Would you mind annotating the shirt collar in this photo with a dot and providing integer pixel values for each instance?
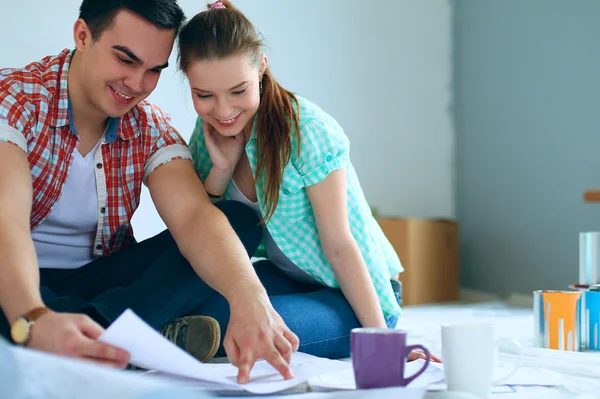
(110, 134)
(59, 115)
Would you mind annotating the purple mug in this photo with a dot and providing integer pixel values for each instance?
(379, 357)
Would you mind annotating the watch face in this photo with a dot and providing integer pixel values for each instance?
(20, 331)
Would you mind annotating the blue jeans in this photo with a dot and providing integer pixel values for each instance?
(320, 316)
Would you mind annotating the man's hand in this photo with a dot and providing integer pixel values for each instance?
(255, 332)
(75, 335)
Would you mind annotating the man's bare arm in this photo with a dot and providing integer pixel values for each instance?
(19, 273)
(210, 244)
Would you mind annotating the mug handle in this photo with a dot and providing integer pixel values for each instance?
(409, 349)
(517, 365)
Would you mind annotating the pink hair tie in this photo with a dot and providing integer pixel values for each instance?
(216, 5)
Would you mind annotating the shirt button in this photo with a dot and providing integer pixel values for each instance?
(102, 210)
(99, 165)
(329, 158)
(98, 247)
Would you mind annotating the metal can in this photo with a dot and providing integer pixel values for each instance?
(590, 320)
(589, 257)
(557, 319)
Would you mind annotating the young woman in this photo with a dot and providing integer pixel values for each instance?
(329, 266)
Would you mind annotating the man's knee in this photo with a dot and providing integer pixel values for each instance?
(238, 213)
(245, 222)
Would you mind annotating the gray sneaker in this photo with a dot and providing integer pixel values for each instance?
(199, 336)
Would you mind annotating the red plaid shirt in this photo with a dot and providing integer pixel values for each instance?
(35, 115)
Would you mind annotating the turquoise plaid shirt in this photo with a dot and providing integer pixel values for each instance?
(324, 148)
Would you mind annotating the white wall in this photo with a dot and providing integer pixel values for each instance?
(383, 69)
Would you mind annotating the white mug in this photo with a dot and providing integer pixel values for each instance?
(469, 352)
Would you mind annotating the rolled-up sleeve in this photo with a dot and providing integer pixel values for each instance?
(324, 148)
(170, 146)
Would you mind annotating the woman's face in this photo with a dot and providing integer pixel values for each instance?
(226, 91)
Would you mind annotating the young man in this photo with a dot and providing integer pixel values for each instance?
(77, 140)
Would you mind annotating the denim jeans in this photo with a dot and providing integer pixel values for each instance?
(320, 316)
(391, 321)
(158, 284)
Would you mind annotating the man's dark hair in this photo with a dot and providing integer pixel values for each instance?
(99, 14)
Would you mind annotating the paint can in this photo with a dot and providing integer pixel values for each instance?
(590, 320)
(589, 257)
(557, 319)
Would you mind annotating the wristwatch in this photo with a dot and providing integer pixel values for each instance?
(20, 331)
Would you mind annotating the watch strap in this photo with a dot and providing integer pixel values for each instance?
(35, 314)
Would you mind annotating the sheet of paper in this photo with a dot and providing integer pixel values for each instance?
(264, 379)
(42, 375)
(152, 351)
(530, 376)
(442, 387)
(385, 393)
(524, 376)
(345, 378)
(581, 364)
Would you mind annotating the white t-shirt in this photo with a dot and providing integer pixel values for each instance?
(65, 240)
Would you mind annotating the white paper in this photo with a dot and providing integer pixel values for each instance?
(384, 393)
(150, 350)
(530, 376)
(442, 387)
(264, 378)
(524, 376)
(42, 375)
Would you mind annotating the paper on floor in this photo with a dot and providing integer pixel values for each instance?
(525, 376)
(264, 379)
(150, 350)
(384, 393)
(40, 375)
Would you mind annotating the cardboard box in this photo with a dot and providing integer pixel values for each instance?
(428, 250)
